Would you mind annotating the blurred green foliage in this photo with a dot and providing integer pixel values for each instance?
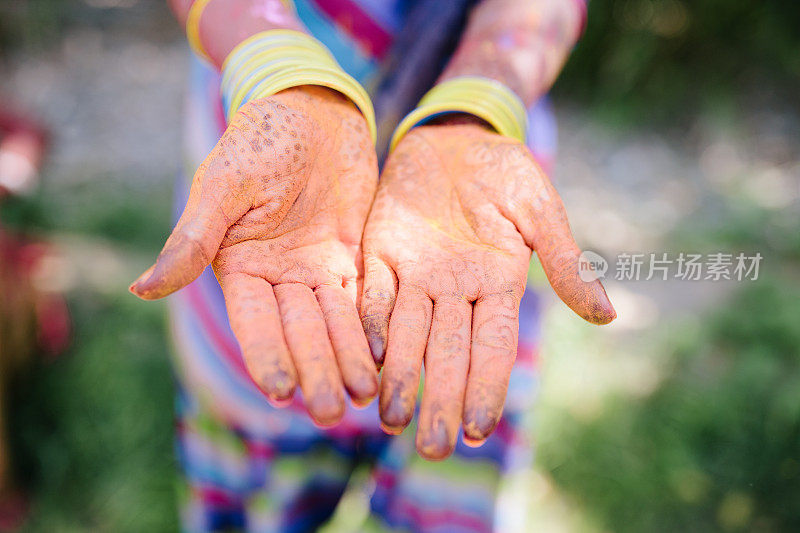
(32, 22)
(648, 59)
(715, 447)
(743, 227)
(92, 431)
(135, 217)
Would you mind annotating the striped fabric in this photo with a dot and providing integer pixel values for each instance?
(249, 466)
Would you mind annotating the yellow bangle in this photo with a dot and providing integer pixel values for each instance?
(255, 44)
(193, 28)
(266, 62)
(272, 61)
(485, 98)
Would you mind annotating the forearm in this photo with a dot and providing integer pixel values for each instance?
(226, 23)
(180, 8)
(522, 44)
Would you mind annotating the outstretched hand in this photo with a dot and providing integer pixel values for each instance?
(278, 208)
(447, 245)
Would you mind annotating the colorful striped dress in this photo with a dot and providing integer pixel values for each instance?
(249, 466)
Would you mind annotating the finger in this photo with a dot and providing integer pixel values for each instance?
(545, 228)
(193, 243)
(446, 367)
(408, 334)
(495, 331)
(377, 301)
(349, 344)
(307, 337)
(256, 322)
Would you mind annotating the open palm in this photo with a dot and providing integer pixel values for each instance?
(446, 251)
(278, 208)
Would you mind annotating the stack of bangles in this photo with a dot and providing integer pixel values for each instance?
(482, 97)
(274, 60)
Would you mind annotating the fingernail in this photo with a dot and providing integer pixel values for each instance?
(377, 348)
(361, 403)
(280, 387)
(326, 409)
(395, 415)
(135, 287)
(365, 390)
(603, 312)
(434, 444)
(391, 430)
(472, 443)
(478, 425)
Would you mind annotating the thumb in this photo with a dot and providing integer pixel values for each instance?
(544, 226)
(193, 243)
(560, 258)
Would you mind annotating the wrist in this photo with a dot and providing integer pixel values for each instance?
(273, 61)
(216, 27)
(486, 99)
(459, 119)
(310, 97)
